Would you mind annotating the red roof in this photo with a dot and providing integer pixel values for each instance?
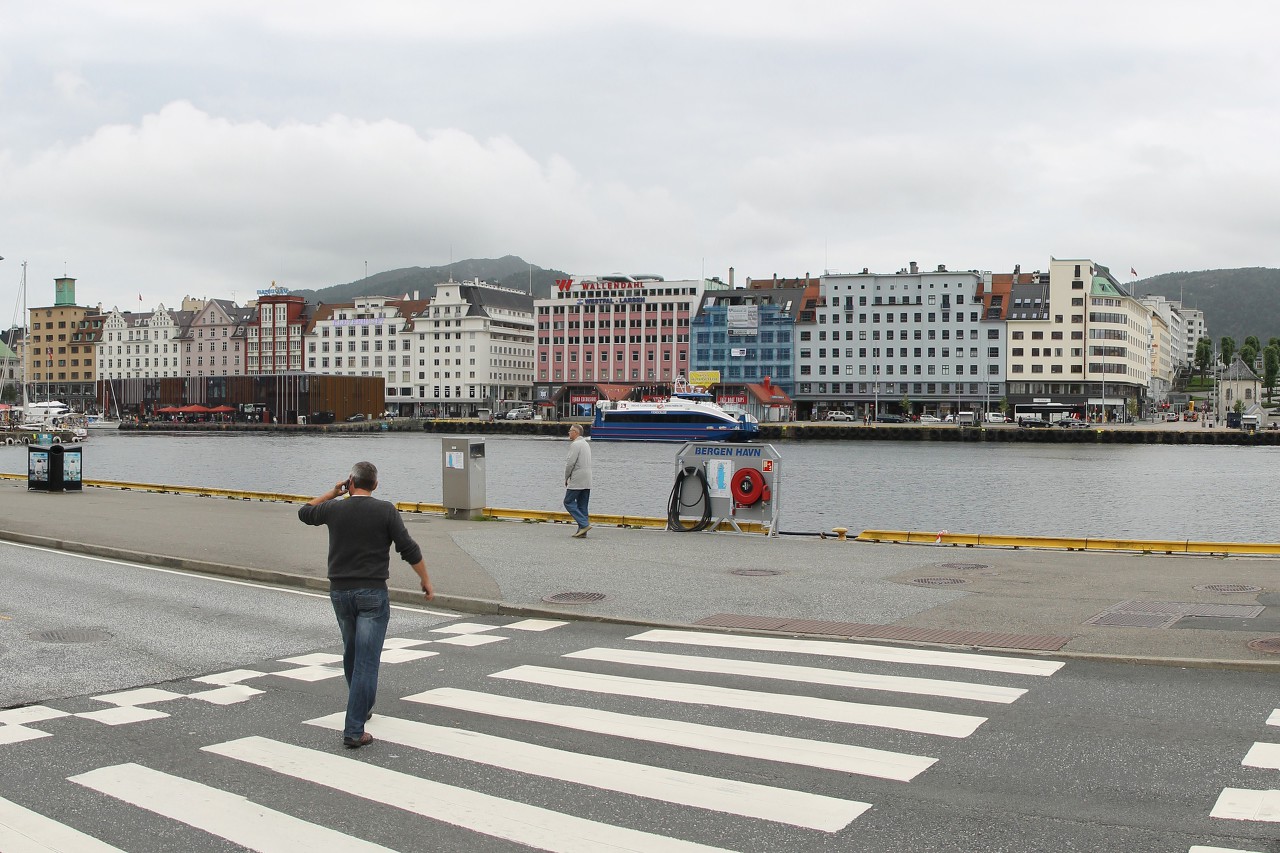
(770, 395)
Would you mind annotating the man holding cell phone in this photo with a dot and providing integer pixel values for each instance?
(362, 530)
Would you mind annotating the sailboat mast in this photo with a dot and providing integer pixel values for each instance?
(26, 338)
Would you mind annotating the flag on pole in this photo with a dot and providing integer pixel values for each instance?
(1133, 272)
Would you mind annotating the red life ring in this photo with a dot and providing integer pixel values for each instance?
(748, 486)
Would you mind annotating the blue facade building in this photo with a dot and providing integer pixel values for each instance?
(748, 335)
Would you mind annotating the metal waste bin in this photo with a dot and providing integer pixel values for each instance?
(54, 468)
(462, 476)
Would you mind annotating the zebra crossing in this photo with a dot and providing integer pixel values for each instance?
(1252, 804)
(560, 724)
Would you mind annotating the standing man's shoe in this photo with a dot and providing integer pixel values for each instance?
(580, 533)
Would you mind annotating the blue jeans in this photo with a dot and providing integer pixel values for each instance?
(362, 616)
(576, 500)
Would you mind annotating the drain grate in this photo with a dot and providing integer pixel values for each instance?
(1163, 614)
(72, 635)
(575, 597)
(1267, 645)
(755, 573)
(1121, 619)
(962, 567)
(938, 581)
(1228, 587)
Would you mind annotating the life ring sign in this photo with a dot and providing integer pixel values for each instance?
(749, 487)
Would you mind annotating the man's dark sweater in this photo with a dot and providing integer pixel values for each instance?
(361, 529)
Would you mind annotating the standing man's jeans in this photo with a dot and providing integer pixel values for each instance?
(362, 615)
(576, 500)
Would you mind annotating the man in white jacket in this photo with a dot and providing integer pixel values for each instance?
(577, 480)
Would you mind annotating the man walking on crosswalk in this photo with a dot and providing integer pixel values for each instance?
(362, 529)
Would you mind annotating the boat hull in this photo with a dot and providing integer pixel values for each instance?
(603, 430)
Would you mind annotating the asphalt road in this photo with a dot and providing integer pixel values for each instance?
(501, 733)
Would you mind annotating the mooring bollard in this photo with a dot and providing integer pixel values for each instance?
(840, 532)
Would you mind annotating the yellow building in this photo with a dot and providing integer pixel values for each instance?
(58, 357)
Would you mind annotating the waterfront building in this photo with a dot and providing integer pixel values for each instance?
(1236, 382)
(1171, 313)
(141, 344)
(369, 336)
(1195, 328)
(10, 365)
(60, 363)
(879, 342)
(1075, 336)
(214, 341)
(1161, 347)
(273, 340)
(609, 336)
(475, 348)
(748, 335)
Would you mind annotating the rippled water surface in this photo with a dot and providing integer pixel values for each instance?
(1153, 491)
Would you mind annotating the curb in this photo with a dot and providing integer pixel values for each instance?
(490, 607)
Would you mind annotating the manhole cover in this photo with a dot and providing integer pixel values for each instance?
(574, 597)
(962, 567)
(72, 635)
(1228, 587)
(938, 581)
(755, 573)
(1267, 645)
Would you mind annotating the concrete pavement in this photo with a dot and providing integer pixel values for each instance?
(1090, 604)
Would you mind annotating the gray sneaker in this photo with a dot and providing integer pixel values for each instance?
(581, 532)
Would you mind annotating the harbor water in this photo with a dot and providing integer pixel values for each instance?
(1221, 493)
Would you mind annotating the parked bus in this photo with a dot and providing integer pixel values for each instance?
(1048, 413)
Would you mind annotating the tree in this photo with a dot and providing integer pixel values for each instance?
(1270, 368)
(906, 405)
(1248, 355)
(1204, 355)
(1227, 349)
(1252, 341)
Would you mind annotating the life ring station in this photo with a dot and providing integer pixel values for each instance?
(725, 483)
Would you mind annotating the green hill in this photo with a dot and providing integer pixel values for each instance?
(1236, 303)
(509, 271)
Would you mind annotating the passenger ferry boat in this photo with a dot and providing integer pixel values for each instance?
(689, 414)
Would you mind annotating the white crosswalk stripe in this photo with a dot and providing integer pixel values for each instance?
(1247, 804)
(765, 802)
(1265, 755)
(886, 716)
(806, 674)
(219, 813)
(25, 831)
(529, 825)
(859, 651)
(839, 757)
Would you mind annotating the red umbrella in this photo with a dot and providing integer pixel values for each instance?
(221, 410)
(168, 410)
(194, 409)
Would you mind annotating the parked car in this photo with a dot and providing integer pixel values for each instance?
(1191, 416)
(1032, 421)
(997, 418)
(890, 419)
(840, 415)
(520, 413)
(356, 417)
(1172, 416)
(1073, 423)
(321, 418)
(930, 419)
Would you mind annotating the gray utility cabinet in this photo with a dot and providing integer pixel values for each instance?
(462, 477)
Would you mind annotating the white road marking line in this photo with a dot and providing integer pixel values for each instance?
(405, 655)
(464, 628)
(1274, 719)
(1265, 755)
(312, 659)
(309, 673)
(25, 831)
(470, 640)
(31, 714)
(780, 805)
(861, 651)
(235, 676)
(884, 716)
(535, 625)
(212, 578)
(17, 734)
(807, 674)
(1245, 804)
(523, 824)
(219, 813)
(141, 696)
(229, 695)
(1200, 848)
(402, 643)
(839, 757)
(122, 715)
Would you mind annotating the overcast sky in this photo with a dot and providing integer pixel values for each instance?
(158, 149)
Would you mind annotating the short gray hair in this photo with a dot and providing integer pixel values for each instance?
(575, 428)
(364, 475)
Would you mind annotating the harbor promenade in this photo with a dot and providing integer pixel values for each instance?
(1183, 610)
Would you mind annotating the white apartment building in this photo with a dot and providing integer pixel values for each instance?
(141, 345)
(1171, 313)
(1075, 336)
(877, 339)
(1195, 328)
(369, 336)
(475, 348)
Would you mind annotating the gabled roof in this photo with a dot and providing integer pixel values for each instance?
(769, 395)
(1238, 371)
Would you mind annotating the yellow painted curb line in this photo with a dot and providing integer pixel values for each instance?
(1142, 546)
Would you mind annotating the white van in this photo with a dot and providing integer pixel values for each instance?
(996, 418)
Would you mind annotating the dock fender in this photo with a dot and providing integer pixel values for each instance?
(748, 486)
